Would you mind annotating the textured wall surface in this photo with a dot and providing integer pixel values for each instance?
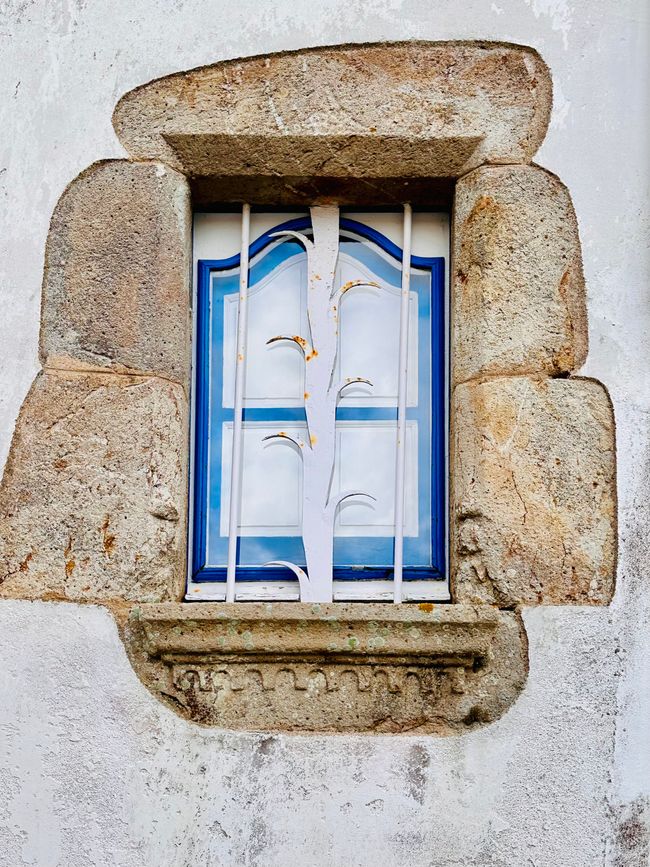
(93, 770)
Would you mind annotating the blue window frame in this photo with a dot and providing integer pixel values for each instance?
(368, 555)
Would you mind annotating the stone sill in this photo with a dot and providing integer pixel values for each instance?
(289, 666)
(419, 634)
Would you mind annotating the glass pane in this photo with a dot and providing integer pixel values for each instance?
(276, 305)
(272, 478)
(369, 340)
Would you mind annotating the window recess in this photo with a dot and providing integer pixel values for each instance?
(319, 405)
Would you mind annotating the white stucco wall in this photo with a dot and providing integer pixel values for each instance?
(93, 771)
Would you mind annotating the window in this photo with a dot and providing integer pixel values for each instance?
(296, 459)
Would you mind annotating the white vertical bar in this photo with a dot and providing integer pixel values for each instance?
(235, 466)
(402, 384)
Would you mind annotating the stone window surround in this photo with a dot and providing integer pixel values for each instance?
(93, 506)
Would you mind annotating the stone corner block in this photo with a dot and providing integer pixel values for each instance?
(116, 290)
(93, 500)
(534, 492)
(519, 304)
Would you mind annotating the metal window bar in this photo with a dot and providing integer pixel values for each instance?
(236, 468)
(240, 368)
(400, 462)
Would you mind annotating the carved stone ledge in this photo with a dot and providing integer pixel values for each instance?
(329, 668)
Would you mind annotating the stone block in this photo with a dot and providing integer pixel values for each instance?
(534, 496)
(391, 110)
(518, 288)
(93, 500)
(116, 290)
(330, 667)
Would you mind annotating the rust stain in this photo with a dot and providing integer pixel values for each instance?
(53, 596)
(483, 204)
(306, 395)
(108, 539)
(24, 566)
(426, 606)
(565, 283)
(311, 355)
(565, 359)
(69, 559)
(312, 440)
(300, 340)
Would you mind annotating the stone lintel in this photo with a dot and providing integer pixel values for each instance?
(334, 667)
(405, 109)
(116, 290)
(203, 154)
(519, 301)
(534, 492)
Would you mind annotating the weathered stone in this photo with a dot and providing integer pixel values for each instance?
(93, 500)
(93, 503)
(116, 291)
(336, 667)
(409, 109)
(534, 499)
(518, 289)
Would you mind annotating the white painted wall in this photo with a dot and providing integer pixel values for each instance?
(94, 771)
